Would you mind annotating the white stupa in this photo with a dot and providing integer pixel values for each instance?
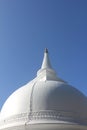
(45, 103)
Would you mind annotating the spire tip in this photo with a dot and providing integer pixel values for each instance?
(46, 50)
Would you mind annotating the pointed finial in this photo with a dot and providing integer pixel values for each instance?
(46, 71)
(46, 50)
(46, 61)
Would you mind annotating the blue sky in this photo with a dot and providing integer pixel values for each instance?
(29, 26)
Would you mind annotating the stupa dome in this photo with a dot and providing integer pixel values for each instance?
(47, 100)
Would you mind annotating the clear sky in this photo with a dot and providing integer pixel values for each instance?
(29, 26)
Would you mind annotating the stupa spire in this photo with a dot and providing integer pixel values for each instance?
(46, 71)
(46, 62)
